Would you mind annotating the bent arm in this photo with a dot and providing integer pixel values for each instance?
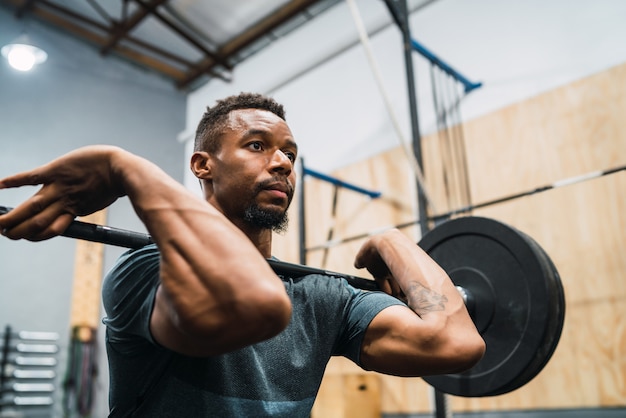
(217, 292)
(435, 333)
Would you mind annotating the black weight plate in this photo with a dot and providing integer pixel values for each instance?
(555, 320)
(519, 303)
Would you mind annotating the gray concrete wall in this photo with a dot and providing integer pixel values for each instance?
(76, 98)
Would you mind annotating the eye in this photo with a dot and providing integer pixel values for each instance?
(290, 155)
(256, 146)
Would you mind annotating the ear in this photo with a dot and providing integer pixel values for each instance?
(201, 165)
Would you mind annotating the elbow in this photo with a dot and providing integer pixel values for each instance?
(255, 317)
(454, 351)
(478, 350)
(235, 323)
(468, 352)
(272, 315)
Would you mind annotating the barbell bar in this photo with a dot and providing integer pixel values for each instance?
(511, 289)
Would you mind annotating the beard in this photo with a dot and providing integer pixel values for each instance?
(277, 221)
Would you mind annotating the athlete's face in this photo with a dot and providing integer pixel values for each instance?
(252, 174)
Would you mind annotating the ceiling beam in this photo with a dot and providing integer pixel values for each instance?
(121, 29)
(246, 38)
(172, 25)
(114, 36)
(22, 8)
(95, 32)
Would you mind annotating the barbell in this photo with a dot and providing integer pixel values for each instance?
(510, 286)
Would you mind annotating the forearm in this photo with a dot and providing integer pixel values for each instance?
(438, 336)
(209, 268)
(426, 286)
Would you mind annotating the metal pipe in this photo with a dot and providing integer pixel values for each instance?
(469, 86)
(302, 216)
(340, 183)
(400, 15)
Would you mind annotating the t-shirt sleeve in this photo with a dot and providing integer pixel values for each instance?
(128, 294)
(361, 309)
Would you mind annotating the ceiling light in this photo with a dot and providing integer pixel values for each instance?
(23, 55)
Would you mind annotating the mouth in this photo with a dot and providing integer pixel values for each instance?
(276, 193)
(281, 190)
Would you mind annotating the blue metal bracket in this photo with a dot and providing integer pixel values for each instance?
(340, 183)
(469, 86)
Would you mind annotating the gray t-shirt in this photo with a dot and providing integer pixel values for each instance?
(278, 377)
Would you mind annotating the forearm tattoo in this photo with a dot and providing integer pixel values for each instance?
(423, 300)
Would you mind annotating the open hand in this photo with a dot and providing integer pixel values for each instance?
(75, 184)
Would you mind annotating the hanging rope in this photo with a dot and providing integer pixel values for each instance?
(80, 376)
(417, 170)
(447, 97)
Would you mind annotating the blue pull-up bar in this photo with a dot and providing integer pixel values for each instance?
(340, 183)
(469, 86)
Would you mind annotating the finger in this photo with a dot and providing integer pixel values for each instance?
(57, 228)
(36, 221)
(396, 290)
(359, 260)
(26, 178)
(390, 286)
(25, 211)
(365, 254)
(372, 261)
(384, 285)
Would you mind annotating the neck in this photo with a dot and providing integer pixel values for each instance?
(260, 237)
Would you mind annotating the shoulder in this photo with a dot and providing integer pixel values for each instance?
(319, 285)
(135, 261)
(146, 254)
(128, 292)
(330, 290)
(135, 272)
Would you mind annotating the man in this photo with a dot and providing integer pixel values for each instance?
(198, 324)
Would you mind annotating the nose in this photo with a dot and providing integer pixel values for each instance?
(281, 163)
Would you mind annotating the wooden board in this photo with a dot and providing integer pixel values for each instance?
(88, 264)
(570, 131)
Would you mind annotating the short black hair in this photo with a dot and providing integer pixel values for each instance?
(215, 119)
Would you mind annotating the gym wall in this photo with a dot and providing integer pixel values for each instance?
(570, 131)
(78, 98)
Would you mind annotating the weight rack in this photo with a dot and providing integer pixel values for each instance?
(27, 371)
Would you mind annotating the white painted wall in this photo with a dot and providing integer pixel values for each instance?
(516, 48)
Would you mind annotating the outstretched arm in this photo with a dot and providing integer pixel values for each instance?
(436, 335)
(217, 292)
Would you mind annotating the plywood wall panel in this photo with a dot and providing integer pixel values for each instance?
(349, 395)
(580, 228)
(567, 132)
(587, 369)
(285, 245)
(405, 395)
(356, 213)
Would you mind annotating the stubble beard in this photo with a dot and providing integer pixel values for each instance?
(256, 216)
(276, 220)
